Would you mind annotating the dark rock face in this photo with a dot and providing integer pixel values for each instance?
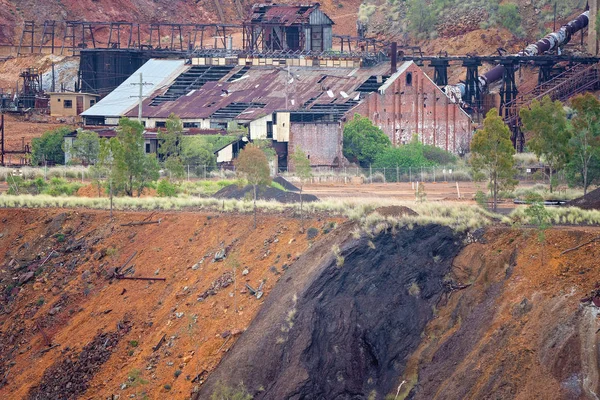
(343, 332)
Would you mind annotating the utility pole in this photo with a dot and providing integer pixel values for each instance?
(53, 75)
(140, 96)
(141, 99)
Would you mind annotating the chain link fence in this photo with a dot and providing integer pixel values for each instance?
(320, 174)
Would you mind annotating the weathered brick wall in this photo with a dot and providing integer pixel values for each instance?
(414, 104)
(321, 142)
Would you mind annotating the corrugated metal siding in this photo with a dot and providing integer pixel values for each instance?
(327, 38)
(307, 40)
(155, 73)
(318, 17)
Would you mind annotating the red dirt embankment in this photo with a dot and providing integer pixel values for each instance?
(506, 317)
(70, 301)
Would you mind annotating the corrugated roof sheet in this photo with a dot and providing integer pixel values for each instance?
(155, 73)
(318, 87)
(282, 13)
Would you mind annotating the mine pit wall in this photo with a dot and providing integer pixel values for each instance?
(336, 329)
(414, 104)
(500, 317)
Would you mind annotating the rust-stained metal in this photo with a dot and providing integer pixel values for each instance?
(274, 27)
(160, 343)
(138, 278)
(277, 88)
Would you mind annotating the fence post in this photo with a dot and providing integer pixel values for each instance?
(433, 168)
(384, 179)
(204, 168)
(397, 174)
(370, 173)
(410, 174)
(188, 168)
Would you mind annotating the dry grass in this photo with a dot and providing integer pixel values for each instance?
(559, 216)
(460, 217)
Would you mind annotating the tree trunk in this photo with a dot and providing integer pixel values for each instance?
(551, 179)
(301, 214)
(585, 172)
(254, 186)
(495, 190)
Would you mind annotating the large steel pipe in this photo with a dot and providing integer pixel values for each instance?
(548, 43)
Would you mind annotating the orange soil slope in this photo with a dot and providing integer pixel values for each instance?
(520, 330)
(72, 300)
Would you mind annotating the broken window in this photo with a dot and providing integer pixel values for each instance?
(68, 104)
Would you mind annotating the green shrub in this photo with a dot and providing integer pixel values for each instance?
(510, 18)
(166, 189)
(61, 187)
(223, 392)
(438, 156)
(277, 186)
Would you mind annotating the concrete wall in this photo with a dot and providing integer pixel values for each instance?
(225, 154)
(258, 127)
(322, 143)
(414, 104)
(281, 130)
(57, 103)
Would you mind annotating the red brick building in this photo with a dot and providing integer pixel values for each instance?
(410, 103)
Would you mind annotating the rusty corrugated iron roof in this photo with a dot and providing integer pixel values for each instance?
(277, 88)
(282, 14)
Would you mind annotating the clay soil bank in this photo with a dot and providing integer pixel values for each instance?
(56, 289)
(492, 315)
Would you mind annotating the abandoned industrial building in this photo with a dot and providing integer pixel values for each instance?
(292, 105)
(292, 99)
(288, 84)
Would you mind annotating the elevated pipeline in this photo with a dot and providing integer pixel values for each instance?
(552, 41)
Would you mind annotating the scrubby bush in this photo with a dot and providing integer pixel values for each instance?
(62, 187)
(224, 392)
(510, 18)
(438, 156)
(164, 188)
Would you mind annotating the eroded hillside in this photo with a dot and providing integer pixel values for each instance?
(14, 12)
(402, 317)
(69, 328)
(419, 312)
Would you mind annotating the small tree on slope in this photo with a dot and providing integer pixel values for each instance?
(303, 172)
(253, 166)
